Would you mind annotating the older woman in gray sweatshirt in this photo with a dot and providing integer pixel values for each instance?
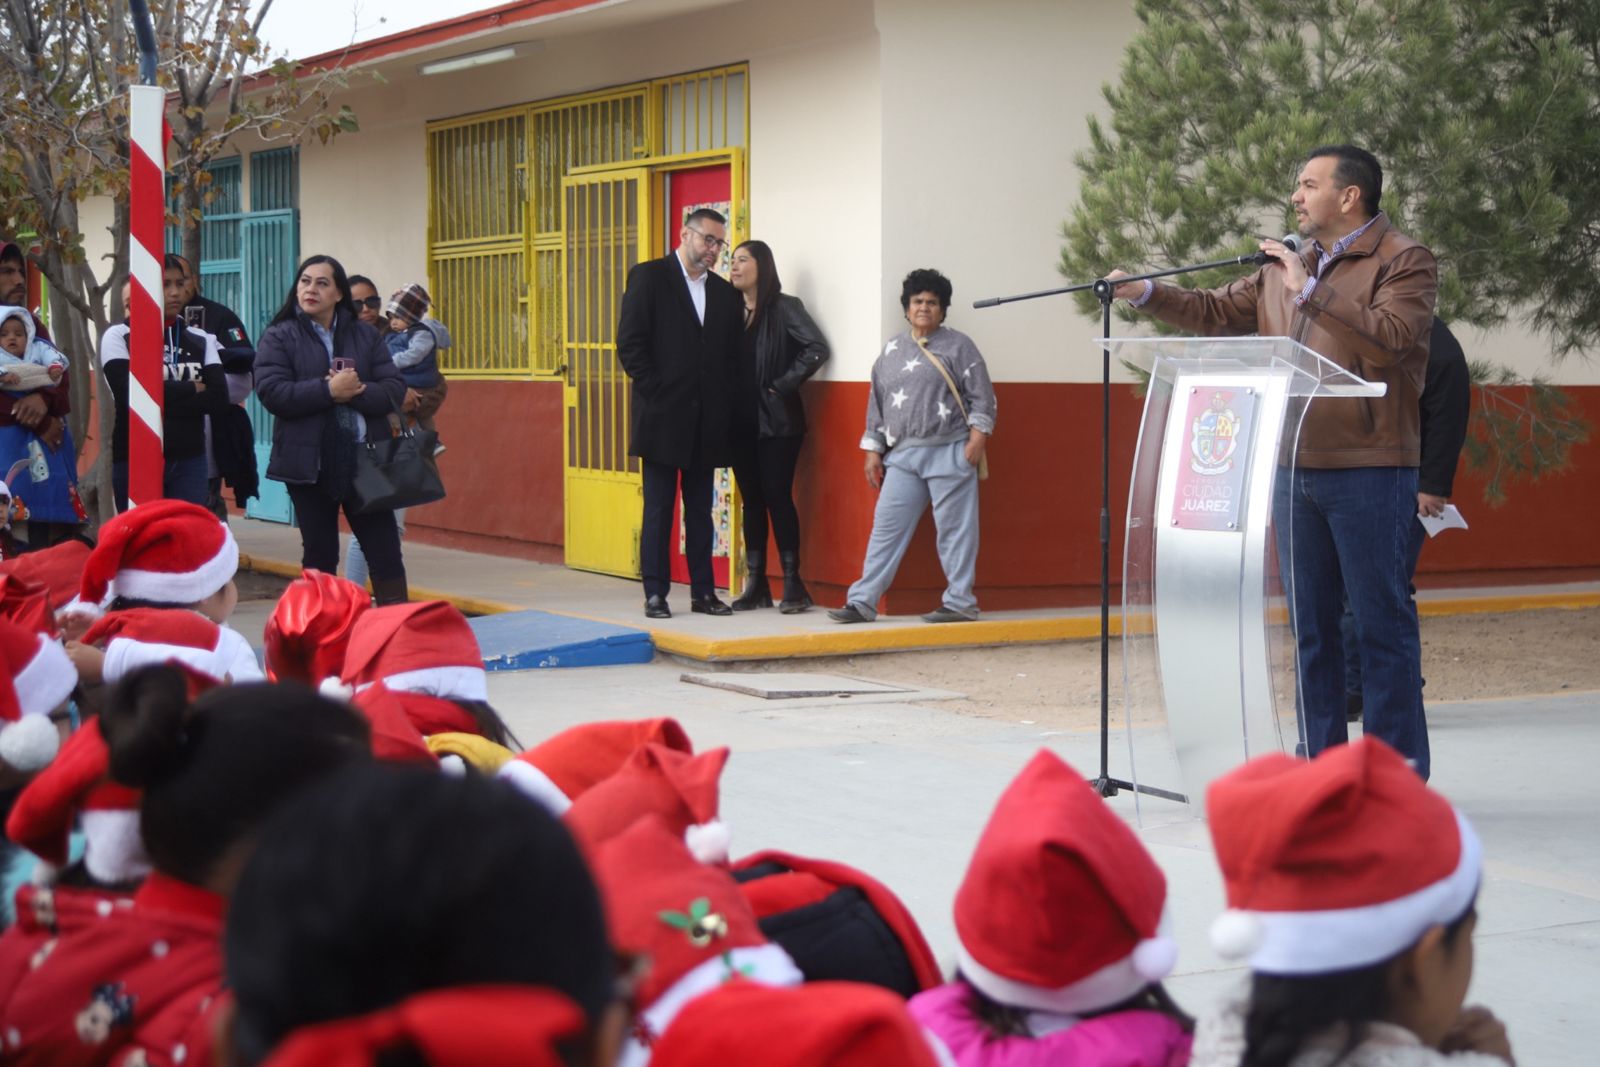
(929, 418)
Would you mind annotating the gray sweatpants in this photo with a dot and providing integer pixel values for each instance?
(912, 478)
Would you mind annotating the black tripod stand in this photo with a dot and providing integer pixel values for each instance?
(1104, 289)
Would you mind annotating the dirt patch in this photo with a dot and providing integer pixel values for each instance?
(1464, 657)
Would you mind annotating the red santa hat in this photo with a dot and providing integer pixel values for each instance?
(841, 1024)
(1062, 909)
(167, 551)
(465, 1026)
(395, 736)
(79, 781)
(421, 647)
(682, 790)
(781, 883)
(310, 627)
(37, 678)
(559, 770)
(58, 568)
(1337, 863)
(689, 920)
(142, 637)
(27, 604)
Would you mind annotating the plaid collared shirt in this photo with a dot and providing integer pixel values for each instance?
(1326, 255)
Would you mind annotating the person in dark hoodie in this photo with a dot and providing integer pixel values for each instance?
(230, 441)
(194, 387)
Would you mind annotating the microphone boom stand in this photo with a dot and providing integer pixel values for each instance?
(1102, 288)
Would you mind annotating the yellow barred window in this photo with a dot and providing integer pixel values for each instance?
(496, 217)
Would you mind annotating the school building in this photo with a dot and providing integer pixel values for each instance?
(520, 159)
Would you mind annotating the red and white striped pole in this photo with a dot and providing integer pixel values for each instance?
(147, 216)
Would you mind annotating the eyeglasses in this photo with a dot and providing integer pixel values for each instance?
(371, 303)
(714, 242)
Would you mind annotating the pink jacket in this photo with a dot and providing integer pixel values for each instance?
(1123, 1039)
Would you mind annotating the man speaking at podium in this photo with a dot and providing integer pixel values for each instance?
(1361, 295)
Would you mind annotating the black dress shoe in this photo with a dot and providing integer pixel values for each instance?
(709, 605)
(655, 607)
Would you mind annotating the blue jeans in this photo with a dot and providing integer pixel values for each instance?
(181, 479)
(1346, 535)
(1347, 625)
(355, 560)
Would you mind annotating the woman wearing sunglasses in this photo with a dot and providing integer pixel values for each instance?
(369, 305)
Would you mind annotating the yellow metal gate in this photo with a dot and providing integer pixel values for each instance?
(606, 233)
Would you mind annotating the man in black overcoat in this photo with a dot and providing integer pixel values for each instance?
(677, 338)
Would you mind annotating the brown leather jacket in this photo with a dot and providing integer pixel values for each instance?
(1371, 313)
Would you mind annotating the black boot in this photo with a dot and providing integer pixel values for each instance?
(757, 594)
(795, 598)
(387, 591)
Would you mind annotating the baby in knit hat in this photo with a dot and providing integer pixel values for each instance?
(414, 340)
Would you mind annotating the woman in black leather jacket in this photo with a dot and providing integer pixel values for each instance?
(781, 347)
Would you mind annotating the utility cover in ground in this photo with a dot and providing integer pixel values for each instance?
(776, 686)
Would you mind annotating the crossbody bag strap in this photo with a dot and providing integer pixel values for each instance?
(938, 365)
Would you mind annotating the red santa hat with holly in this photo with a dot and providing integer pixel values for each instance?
(1337, 863)
(560, 769)
(688, 920)
(1062, 910)
(37, 679)
(166, 551)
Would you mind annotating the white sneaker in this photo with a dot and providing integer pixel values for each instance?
(438, 450)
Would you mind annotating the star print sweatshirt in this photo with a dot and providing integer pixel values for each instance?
(911, 406)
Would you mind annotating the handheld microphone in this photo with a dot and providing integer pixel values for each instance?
(1291, 241)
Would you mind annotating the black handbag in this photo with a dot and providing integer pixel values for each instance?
(399, 472)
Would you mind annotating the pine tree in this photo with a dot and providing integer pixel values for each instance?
(1486, 116)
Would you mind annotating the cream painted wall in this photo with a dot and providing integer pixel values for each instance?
(815, 137)
(983, 108)
(886, 134)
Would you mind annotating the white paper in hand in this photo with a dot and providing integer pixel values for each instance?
(1450, 519)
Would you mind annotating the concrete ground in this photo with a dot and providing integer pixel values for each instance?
(901, 784)
(901, 788)
(480, 584)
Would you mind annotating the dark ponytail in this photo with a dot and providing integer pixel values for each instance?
(1284, 1012)
(490, 724)
(143, 724)
(213, 770)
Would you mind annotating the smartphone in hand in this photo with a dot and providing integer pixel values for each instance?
(343, 363)
(195, 315)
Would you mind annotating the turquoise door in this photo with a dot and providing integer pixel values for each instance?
(269, 239)
(247, 260)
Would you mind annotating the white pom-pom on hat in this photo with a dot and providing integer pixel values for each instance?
(1155, 957)
(334, 689)
(1236, 934)
(30, 743)
(709, 841)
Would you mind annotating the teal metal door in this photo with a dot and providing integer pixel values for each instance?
(269, 240)
(247, 261)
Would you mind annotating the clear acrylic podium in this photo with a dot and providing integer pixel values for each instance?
(1207, 654)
